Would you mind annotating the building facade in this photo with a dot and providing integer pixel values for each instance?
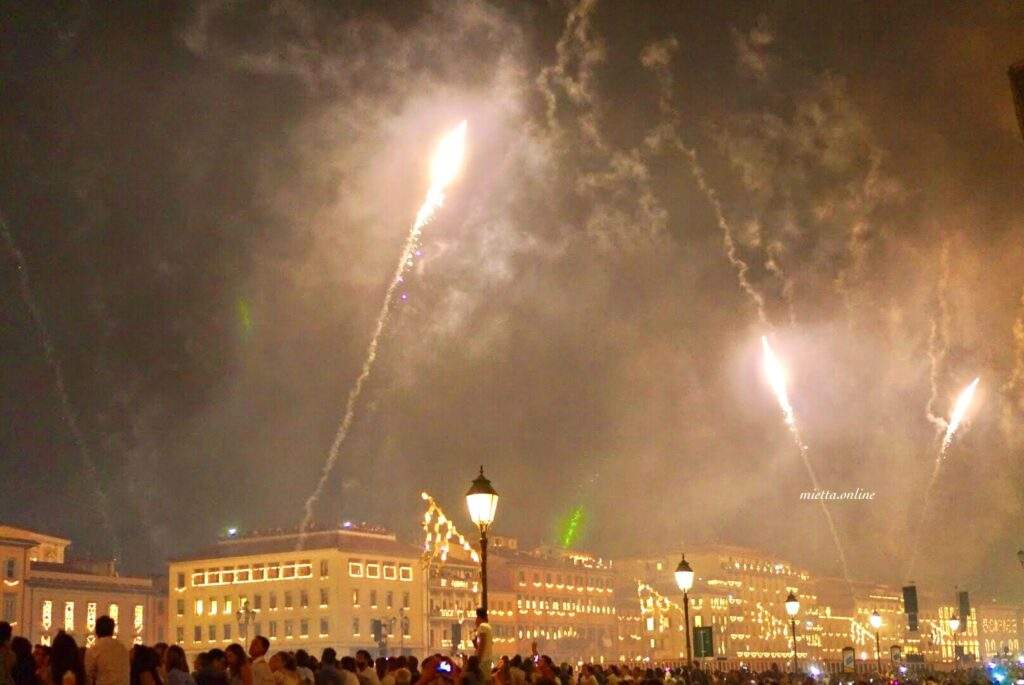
(354, 587)
(45, 592)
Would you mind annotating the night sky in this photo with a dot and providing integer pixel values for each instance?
(207, 202)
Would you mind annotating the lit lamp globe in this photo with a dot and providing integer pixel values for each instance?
(792, 605)
(954, 624)
(482, 501)
(875, 620)
(684, 575)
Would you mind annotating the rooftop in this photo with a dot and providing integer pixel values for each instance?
(359, 539)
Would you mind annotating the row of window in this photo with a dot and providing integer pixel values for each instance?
(284, 570)
(375, 569)
(253, 573)
(68, 624)
(571, 582)
(571, 604)
(214, 606)
(288, 626)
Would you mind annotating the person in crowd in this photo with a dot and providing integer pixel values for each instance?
(41, 656)
(365, 668)
(413, 664)
(24, 671)
(390, 666)
(348, 672)
(471, 674)
(287, 673)
(328, 673)
(380, 665)
(107, 661)
(261, 674)
(239, 670)
(145, 666)
(302, 666)
(403, 676)
(484, 643)
(212, 670)
(65, 662)
(161, 650)
(7, 657)
(176, 667)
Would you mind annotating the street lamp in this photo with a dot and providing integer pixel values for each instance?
(244, 615)
(792, 609)
(482, 501)
(876, 622)
(684, 580)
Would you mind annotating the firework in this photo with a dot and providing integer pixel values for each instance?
(447, 162)
(963, 403)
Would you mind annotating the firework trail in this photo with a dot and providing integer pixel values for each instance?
(445, 166)
(1013, 401)
(938, 342)
(776, 377)
(50, 353)
(956, 417)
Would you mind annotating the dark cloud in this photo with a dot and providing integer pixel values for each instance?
(211, 201)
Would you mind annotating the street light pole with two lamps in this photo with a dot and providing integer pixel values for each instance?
(684, 580)
(954, 627)
(792, 609)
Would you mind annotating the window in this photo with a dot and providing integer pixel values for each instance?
(405, 600)
(257, 602)
(390, 572)
(373, 599)
(373, 570)
(355, 598)
(227, 605)
(304, 628)
(323, 568)
(522, 577)
(355, 569)
(289, 628)
(324, 626)
(179, 634)
(405, 573)
(257, 628)
(180, 607)
(9, 568)
(273, 571)
(227, 631)
(197, 633)
(9, 607)
(389, 600)
(272, 601)
(323, 596)
(288, 599)
(213, 606)
(303, 599)
(181, 582)
(355, 626)
(272, 629)
(406, 631)
(211, 632)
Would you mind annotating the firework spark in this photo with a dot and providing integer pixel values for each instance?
(446, 164)
(776, 376)
(956, 417)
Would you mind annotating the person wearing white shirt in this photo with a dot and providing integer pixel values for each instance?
(261, 673)
(107, 661)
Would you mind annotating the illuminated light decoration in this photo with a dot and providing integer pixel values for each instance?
(47, 614)
(90, 616)
(444, 167)
(12, 583)
(113, 612)
(69, 617)
(90, 640)
(439, 532)
(137, 619)
(45, 640)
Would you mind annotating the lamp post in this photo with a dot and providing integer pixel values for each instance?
(482, 502)
(954, 626)
(876, 622)
(244, 615)
(684, 580)
(792, 609)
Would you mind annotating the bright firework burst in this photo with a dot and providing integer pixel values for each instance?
(444, 167)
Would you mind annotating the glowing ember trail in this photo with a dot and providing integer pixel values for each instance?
(446, 164)
(963, 403)
(776, 377)
(956, 417)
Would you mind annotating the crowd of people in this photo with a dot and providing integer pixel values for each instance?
(107, 661)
